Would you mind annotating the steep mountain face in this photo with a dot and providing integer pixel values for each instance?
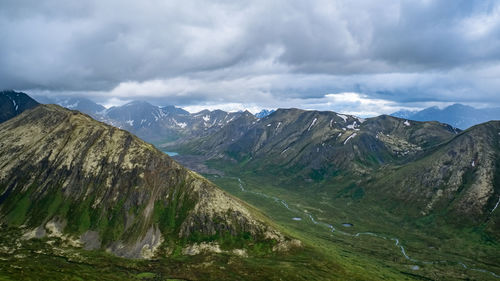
(457, 115)
(317, 143)
(215, 142)
(64, 174)
(14, 103)
(460, 177)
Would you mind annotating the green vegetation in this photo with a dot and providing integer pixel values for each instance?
(430, 238)
(126, 191)
(45, 259)
(18, 215)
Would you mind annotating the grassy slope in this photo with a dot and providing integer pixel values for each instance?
(49, 259)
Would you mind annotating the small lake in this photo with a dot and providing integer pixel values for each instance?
(346, 224)
(171, 153)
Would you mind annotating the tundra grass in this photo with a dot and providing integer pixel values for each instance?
(50, 259)
(423, 239)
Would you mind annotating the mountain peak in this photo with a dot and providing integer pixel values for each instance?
(13, 103)
(459, 105)
(174, 110)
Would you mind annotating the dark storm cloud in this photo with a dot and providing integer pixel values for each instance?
(266, 53)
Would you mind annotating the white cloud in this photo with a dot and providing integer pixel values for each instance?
(114, 102)
(259, 53)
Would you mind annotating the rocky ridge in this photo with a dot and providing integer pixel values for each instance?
(64, 174)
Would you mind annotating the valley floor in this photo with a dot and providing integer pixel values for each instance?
(377, 242)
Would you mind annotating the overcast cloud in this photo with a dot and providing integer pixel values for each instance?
(364, 57)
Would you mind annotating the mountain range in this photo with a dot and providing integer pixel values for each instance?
(446, 167)
(169, 123)
(149, 122)
(81, 183)
(312, 145)
(458, 115)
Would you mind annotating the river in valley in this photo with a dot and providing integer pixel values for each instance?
(397, 242)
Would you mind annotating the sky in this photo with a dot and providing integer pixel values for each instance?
(359, 57)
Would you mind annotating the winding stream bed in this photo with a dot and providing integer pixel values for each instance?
(397, 242)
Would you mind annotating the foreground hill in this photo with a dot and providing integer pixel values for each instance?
(64, 174)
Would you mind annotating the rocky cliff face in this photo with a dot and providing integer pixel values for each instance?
(63, 173)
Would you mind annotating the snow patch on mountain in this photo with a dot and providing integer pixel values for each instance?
(352, 126)
(312, 124)
(350, 137)
(343, 117)
(179, 124)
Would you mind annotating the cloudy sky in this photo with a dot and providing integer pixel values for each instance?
(362, 57)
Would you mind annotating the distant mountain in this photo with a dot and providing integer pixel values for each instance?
(263, 113)
(150, 122)
(165, 124)
(14, 103)
(170, 109)
(404, 114)
(316, 144)
(83, 105)
(76, 103)
(99, 187)
(134, 114)
(416, 168)
(457, 115)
